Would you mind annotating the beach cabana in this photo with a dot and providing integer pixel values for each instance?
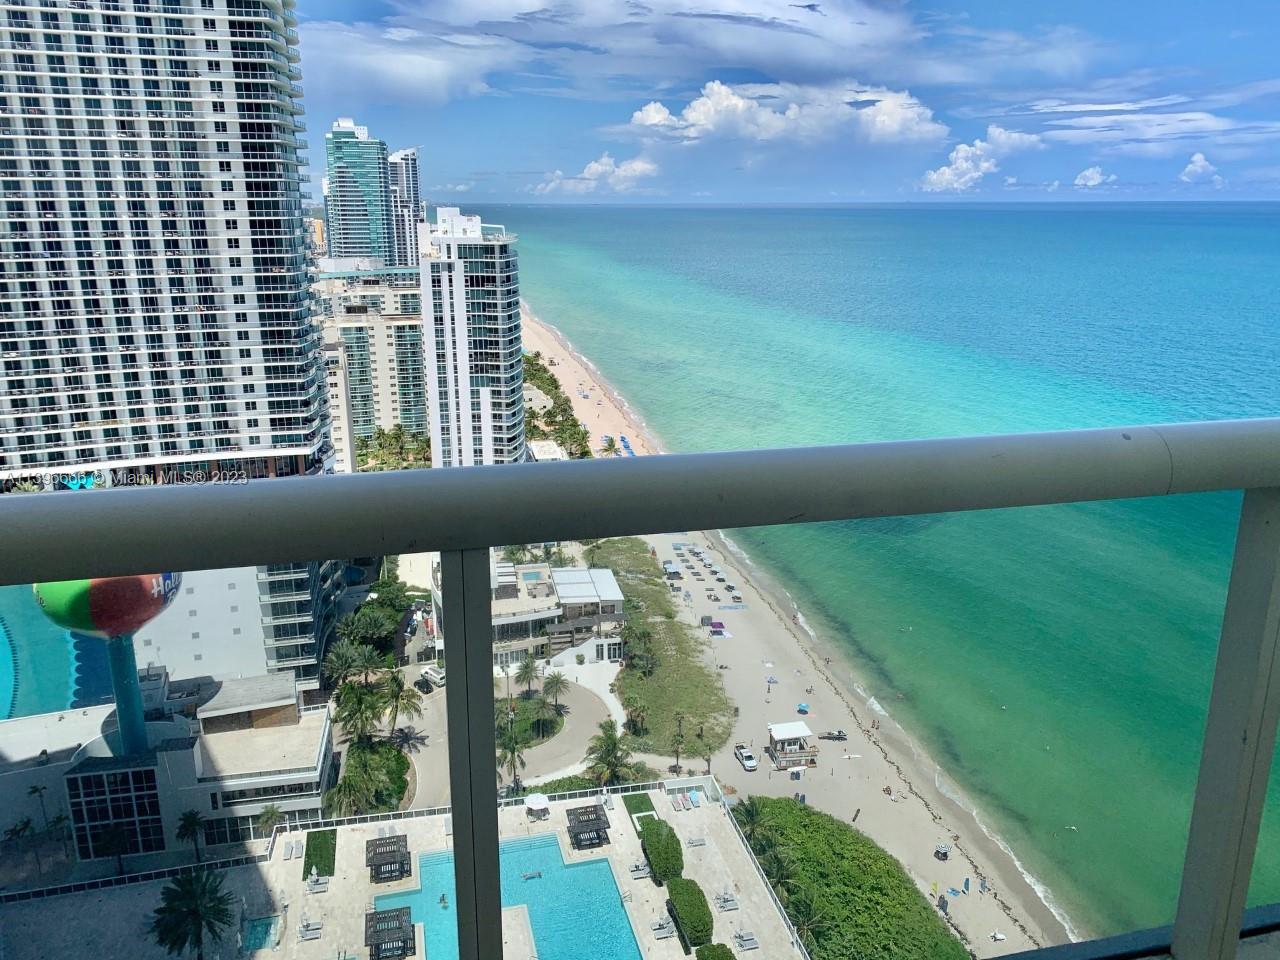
(537, 806)
(588, 827)
(791, 744)
(388, 858)
(389, 934)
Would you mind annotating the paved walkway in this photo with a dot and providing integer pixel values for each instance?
(561, 756)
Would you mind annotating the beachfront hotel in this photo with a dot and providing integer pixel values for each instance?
(473, 348)
(155, 321)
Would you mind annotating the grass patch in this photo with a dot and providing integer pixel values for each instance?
(527, 726)
(681, 685)
(322, 849)
(637, 803)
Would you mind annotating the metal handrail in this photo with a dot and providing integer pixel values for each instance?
(374, 514)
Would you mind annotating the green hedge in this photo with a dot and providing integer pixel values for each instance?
(662, 849)
(693, 915)
(867, 905)
(715, 951)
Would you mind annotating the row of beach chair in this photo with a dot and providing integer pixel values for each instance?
(685, 801)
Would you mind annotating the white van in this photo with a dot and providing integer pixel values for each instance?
(434, 675)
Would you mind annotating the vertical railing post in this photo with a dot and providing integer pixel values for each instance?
(1239, 740)
(468, 645)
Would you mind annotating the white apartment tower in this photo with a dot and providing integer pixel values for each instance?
(155, 318)
(406, 206)
(475, 374)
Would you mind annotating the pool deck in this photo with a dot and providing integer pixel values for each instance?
(117, 919)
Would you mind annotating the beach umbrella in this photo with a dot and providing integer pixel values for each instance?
(771, 679)
(802, 708)
(537, 802)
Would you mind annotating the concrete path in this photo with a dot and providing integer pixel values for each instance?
(562, 755)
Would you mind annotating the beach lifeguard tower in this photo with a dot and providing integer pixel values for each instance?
(792, 744)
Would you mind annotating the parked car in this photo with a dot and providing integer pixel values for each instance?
(736, 598)
(720, 580)
(745, 756)
(714, 598)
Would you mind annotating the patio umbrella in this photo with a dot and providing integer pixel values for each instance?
(537, 802)
(802, 708)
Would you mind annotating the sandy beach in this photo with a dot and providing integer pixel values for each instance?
(879, 778)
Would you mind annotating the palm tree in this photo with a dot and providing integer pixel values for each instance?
(37, 790)
(610, 447)
(369, 661)
(609, 755)
(348, 797)
(527, 673)
(340, 664)
(192, 908)
(19, 832)
(269, 818)
(510, 755)
(777, 866)
(544, 715)
(399, 697)
(808, 917)
(554, 685)
(191, 829)
(359, 710)
(753, 822)
(59, 825)
(701, 748)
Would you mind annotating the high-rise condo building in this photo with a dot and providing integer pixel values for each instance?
(406, 206)
(473, 350)
(155, 320)
(357, 193)
(373, 342)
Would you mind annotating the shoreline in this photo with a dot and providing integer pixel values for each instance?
(1020, 902)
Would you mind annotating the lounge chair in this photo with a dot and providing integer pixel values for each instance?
(675, 802)
(726, 902)
(693, 798)
(288, 849)
(308, 933)
(684, 801)
(665, 933)
(662, 924)
(696, 842)
(746, 940)
(639, 871)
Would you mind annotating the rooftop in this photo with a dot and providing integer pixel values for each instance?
(238, 753)
(791, 730)
(586, 585)
(250, 693)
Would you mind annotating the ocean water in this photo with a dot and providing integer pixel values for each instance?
(1056, 661)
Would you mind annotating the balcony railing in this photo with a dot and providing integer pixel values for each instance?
(463, 512)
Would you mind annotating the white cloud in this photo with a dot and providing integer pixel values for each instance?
(1200, 170)
(778, 111)
(603, 172)
(1160, 134)
(968, 163)
(1093, 177)
(452, 187)
(1053, 187)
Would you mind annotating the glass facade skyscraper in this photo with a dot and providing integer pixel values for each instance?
(406, 206)
(357, 201)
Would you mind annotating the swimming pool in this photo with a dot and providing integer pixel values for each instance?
(530, 575)
(575, 909)
(262, 933)
(37, 665)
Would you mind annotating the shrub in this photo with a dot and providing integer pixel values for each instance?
(662, 849)
(579, 659)
(714, 951)
(563, 785)
(693, 915)
(866, 904)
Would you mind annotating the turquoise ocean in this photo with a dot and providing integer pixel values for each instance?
(1055, 661)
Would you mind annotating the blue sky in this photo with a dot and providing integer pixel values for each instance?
(772, 101)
